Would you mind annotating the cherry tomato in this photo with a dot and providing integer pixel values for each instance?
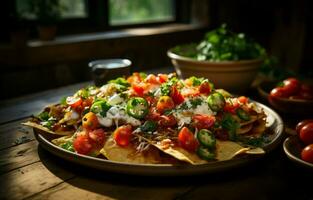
(187, 140)
(307, 153)
(82, 144)
(176, 96)
(306, 133)
(231, 107)
(97, 137)
(243, 99)
(87, 102)
(165, 103)
(162, 78)
(205, 88)
(167, 121)
(291, 86)
(122, 135)
(74, 101)
(203, 121)
(301, 124)
(278, 92)
(90, 121)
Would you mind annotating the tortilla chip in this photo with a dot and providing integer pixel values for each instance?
(45, 129)
(181, 154)
(129, 154)
(244, 129)
(62, 140)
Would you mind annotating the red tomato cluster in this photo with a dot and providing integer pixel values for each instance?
(292, 88)
(305, 133)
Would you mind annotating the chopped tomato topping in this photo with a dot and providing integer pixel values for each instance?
(90, 121)
(74, 101)
(203, 121)
(162, 78)
(205, 88)
(122, 135)
(243, 99)
(187, 140)
(165, 103)
(82, 144)
(176, 96)
(167, 121)
(231, 107)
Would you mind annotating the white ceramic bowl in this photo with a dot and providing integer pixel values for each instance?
(234, 76)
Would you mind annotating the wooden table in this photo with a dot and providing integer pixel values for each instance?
(29, 172)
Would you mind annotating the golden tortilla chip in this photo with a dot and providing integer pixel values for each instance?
(46, 130)
(62, 140)
(129, 154)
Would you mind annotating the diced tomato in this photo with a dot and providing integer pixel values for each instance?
(152, 79)
(87, 102)
(97, 137)
(176, 96)
(221, 134)
(162, 78)
(231, 107)
(203, 121)
(243, 99)
(153, 115)
(90, 121)
(187, 140)
(139, 88)
(74, 101)
(134, 78)
(165, 103)
(167, 121)
(82, 144)
(122, 135)
(205, 88)
(151, 100)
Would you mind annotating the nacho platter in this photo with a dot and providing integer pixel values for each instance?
(171, 127)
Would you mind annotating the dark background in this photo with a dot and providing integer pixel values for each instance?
(284, 28)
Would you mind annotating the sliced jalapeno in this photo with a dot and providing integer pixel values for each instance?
(205, 153)
(216, 101)
(137, 107)
(242, 114)
(206, 138)
(100, 107)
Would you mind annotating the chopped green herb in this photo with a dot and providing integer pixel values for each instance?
(167, 86)
(231, 125)
(148, 126)
(44, 116)
(63, 101)
(68, 146)
(120, 81)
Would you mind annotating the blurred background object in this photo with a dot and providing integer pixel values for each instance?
(140, 30)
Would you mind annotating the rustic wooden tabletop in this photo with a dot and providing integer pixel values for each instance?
(29, 172)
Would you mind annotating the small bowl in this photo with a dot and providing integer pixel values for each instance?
(292, 148)
(235, 76)
(285, 105)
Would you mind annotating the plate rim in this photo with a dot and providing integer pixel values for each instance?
(290, 155)
(162, 169)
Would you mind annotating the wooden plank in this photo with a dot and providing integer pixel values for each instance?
(27, 105)
(14, 133)
(18, 156)
(31, 179)
(88, 188)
